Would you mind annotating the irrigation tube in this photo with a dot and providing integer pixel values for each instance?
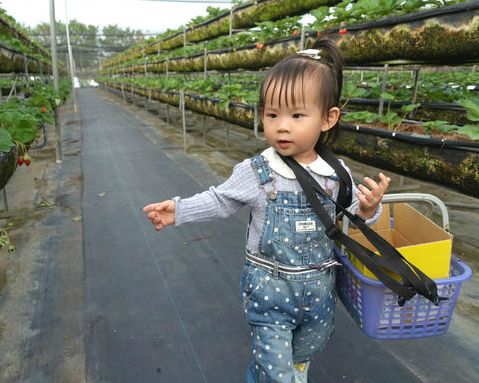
(417, 139)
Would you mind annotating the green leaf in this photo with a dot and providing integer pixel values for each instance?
(471, 107)
(409, 108)
(23, 131)
(387, 96)
(6, 142)
(470, 130)
(350, 90)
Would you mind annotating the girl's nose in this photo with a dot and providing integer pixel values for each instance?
(283, 126)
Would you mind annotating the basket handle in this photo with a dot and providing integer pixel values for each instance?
(409, 197)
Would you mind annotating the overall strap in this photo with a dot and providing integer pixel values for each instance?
(262, 169)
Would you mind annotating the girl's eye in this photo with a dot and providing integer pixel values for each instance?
(297, 115)
(272, 115)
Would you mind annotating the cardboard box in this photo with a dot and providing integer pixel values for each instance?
(423, 243)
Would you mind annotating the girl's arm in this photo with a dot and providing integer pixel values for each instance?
(217, 202)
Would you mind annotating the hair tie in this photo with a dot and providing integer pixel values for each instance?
(311, 53)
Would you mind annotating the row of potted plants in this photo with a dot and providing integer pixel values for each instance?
(21, 121)
(245, 89)
(449, 162)
(446, 35)
(244, 16)
(329, 14)
(11, 30)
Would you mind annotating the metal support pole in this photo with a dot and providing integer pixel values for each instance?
(25, 65)
(184, 37)
(183, 117)
(70, 59)
(231, 20)
(383, 88)
(123, 93)
(53, 43)
(205, 63)
(41, 73)
(414, 92)
(303, 35)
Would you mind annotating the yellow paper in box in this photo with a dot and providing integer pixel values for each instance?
(423, 243)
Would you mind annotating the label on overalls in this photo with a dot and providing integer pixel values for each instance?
(305, 226)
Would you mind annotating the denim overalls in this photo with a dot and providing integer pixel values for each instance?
(287, 286)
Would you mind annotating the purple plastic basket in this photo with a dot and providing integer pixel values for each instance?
(374, 307)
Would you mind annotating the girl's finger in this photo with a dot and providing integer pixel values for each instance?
(150, 207)
(366, 192)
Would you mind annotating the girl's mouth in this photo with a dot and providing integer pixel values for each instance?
(283, 144)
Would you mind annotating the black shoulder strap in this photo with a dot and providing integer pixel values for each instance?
(345, 194)
(413, 280)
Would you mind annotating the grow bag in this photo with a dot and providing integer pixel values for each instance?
(446, 35)
(13, 61)
(446, 162)
(8, 164)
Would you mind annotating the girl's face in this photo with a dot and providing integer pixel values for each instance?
(294, 129)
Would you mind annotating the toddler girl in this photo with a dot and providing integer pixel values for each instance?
(287, 284)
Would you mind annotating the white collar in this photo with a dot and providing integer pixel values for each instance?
(319, 166)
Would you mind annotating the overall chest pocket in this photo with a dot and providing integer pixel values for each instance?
(299, 228)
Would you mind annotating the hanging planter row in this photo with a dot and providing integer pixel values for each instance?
(242, 17)
(7, 30)
(12, 60)
(447, 111)
(447, 35)
(447, 162)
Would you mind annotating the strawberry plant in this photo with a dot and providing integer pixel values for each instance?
(443, 126)
(392, 119)
(350, 90)
(472, 107)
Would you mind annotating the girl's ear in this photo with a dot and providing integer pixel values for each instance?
(331, 118)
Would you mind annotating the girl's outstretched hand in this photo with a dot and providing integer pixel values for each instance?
(369, 199)
(161, 214)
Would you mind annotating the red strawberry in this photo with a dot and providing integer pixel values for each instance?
(43, 109)
(319, 33)
(258, 46)
(295, 33)
(20, 161)
(27, 162)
